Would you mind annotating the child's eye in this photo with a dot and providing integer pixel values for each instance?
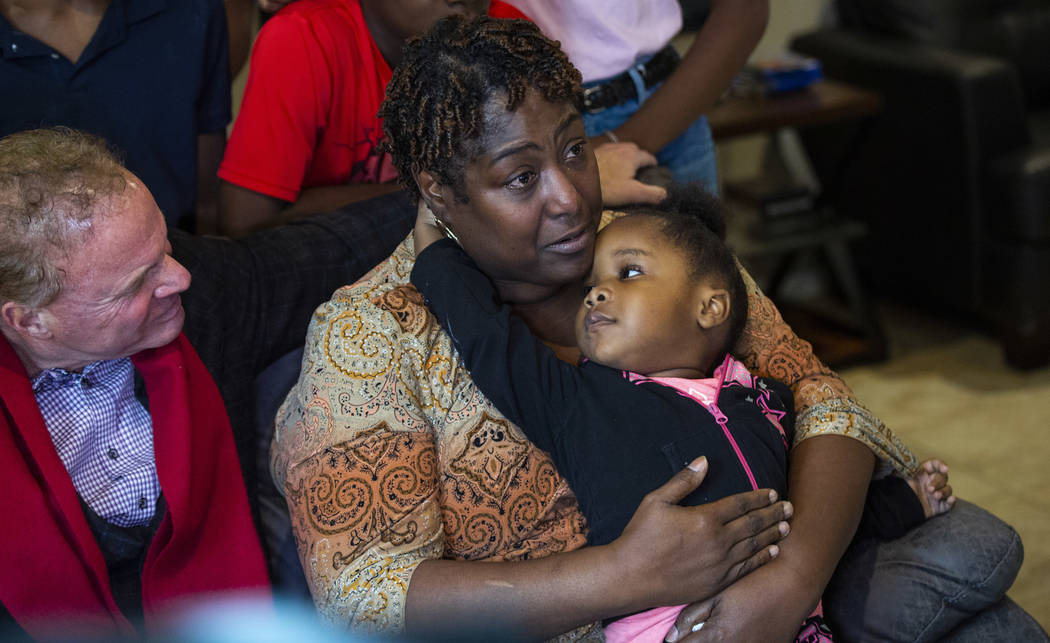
(630, 271)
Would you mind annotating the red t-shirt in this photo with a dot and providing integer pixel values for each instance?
(308, 117)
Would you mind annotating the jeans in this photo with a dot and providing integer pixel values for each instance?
(690, 157)
(944, 580)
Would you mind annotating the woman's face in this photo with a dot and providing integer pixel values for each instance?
(534, 199)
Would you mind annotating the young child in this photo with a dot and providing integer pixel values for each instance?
(657, 389)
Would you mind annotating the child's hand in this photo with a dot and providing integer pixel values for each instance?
(930, 484)
(426, 230)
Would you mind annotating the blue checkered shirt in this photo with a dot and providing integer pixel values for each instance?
(104, 437)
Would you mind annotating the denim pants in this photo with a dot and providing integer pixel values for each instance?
(690, 157)
(945, 580)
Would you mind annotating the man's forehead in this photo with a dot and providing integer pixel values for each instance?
(126, 231)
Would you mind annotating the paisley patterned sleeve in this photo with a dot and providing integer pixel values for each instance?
(360, 482)
(824, 404)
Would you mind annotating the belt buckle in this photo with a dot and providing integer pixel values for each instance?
(592, 94)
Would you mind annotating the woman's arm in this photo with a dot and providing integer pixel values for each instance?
(644, 567)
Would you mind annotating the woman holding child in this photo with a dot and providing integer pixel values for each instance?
(400, 476)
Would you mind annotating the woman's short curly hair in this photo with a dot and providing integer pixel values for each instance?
(433, 115)
(52, 183)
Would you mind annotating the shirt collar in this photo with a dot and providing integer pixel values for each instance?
(110, 32)
(95, 373)
(141, 9)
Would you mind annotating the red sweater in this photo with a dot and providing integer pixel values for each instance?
(53, 577)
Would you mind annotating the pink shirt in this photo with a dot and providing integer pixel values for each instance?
(603, 38)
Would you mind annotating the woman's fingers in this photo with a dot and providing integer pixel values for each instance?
(618, 165)
(752, 531)
(682, 483)
(677, 553)
(754, 506)
(691, 619)
(755, 551)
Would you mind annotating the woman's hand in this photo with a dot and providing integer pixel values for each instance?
(766, 606)
(828, 479)
(618, 165)
(678, 554)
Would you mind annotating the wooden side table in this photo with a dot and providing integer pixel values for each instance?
(823, 102)
(818, 229)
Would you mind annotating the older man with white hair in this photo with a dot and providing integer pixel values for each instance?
(127, 362)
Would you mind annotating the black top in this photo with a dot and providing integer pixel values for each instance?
(613, 439)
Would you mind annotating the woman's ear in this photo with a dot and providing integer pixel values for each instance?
(712, 307)
(432, 193)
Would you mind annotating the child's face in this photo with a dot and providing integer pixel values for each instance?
(640, 311)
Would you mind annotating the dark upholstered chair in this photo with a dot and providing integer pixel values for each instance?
(953, 178)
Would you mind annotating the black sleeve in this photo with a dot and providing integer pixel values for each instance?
(522, 377)
(251, 299)
(891, 509)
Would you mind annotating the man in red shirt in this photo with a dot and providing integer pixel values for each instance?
(307, 130)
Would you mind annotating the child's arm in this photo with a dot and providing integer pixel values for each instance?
(426, 231)
(514, 370)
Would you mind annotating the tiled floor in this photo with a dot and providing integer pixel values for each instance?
(947, 393)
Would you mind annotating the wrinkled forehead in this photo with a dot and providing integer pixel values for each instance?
(125, 202)
(533, 116)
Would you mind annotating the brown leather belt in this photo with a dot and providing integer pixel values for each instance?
(621, 89)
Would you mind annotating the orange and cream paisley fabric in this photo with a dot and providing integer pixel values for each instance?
(389, 456)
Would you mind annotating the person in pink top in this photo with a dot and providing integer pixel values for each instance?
(635, 86)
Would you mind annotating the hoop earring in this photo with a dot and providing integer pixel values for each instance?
(446, 230)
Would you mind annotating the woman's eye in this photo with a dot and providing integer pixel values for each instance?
(630, 271)
(521, 181)
(576, 150)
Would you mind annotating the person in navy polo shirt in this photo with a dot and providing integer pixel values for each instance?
(150, 76)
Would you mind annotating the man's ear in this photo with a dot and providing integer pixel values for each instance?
(712, 308)
(25, 320)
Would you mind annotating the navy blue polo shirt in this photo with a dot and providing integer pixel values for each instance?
(154, 76)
